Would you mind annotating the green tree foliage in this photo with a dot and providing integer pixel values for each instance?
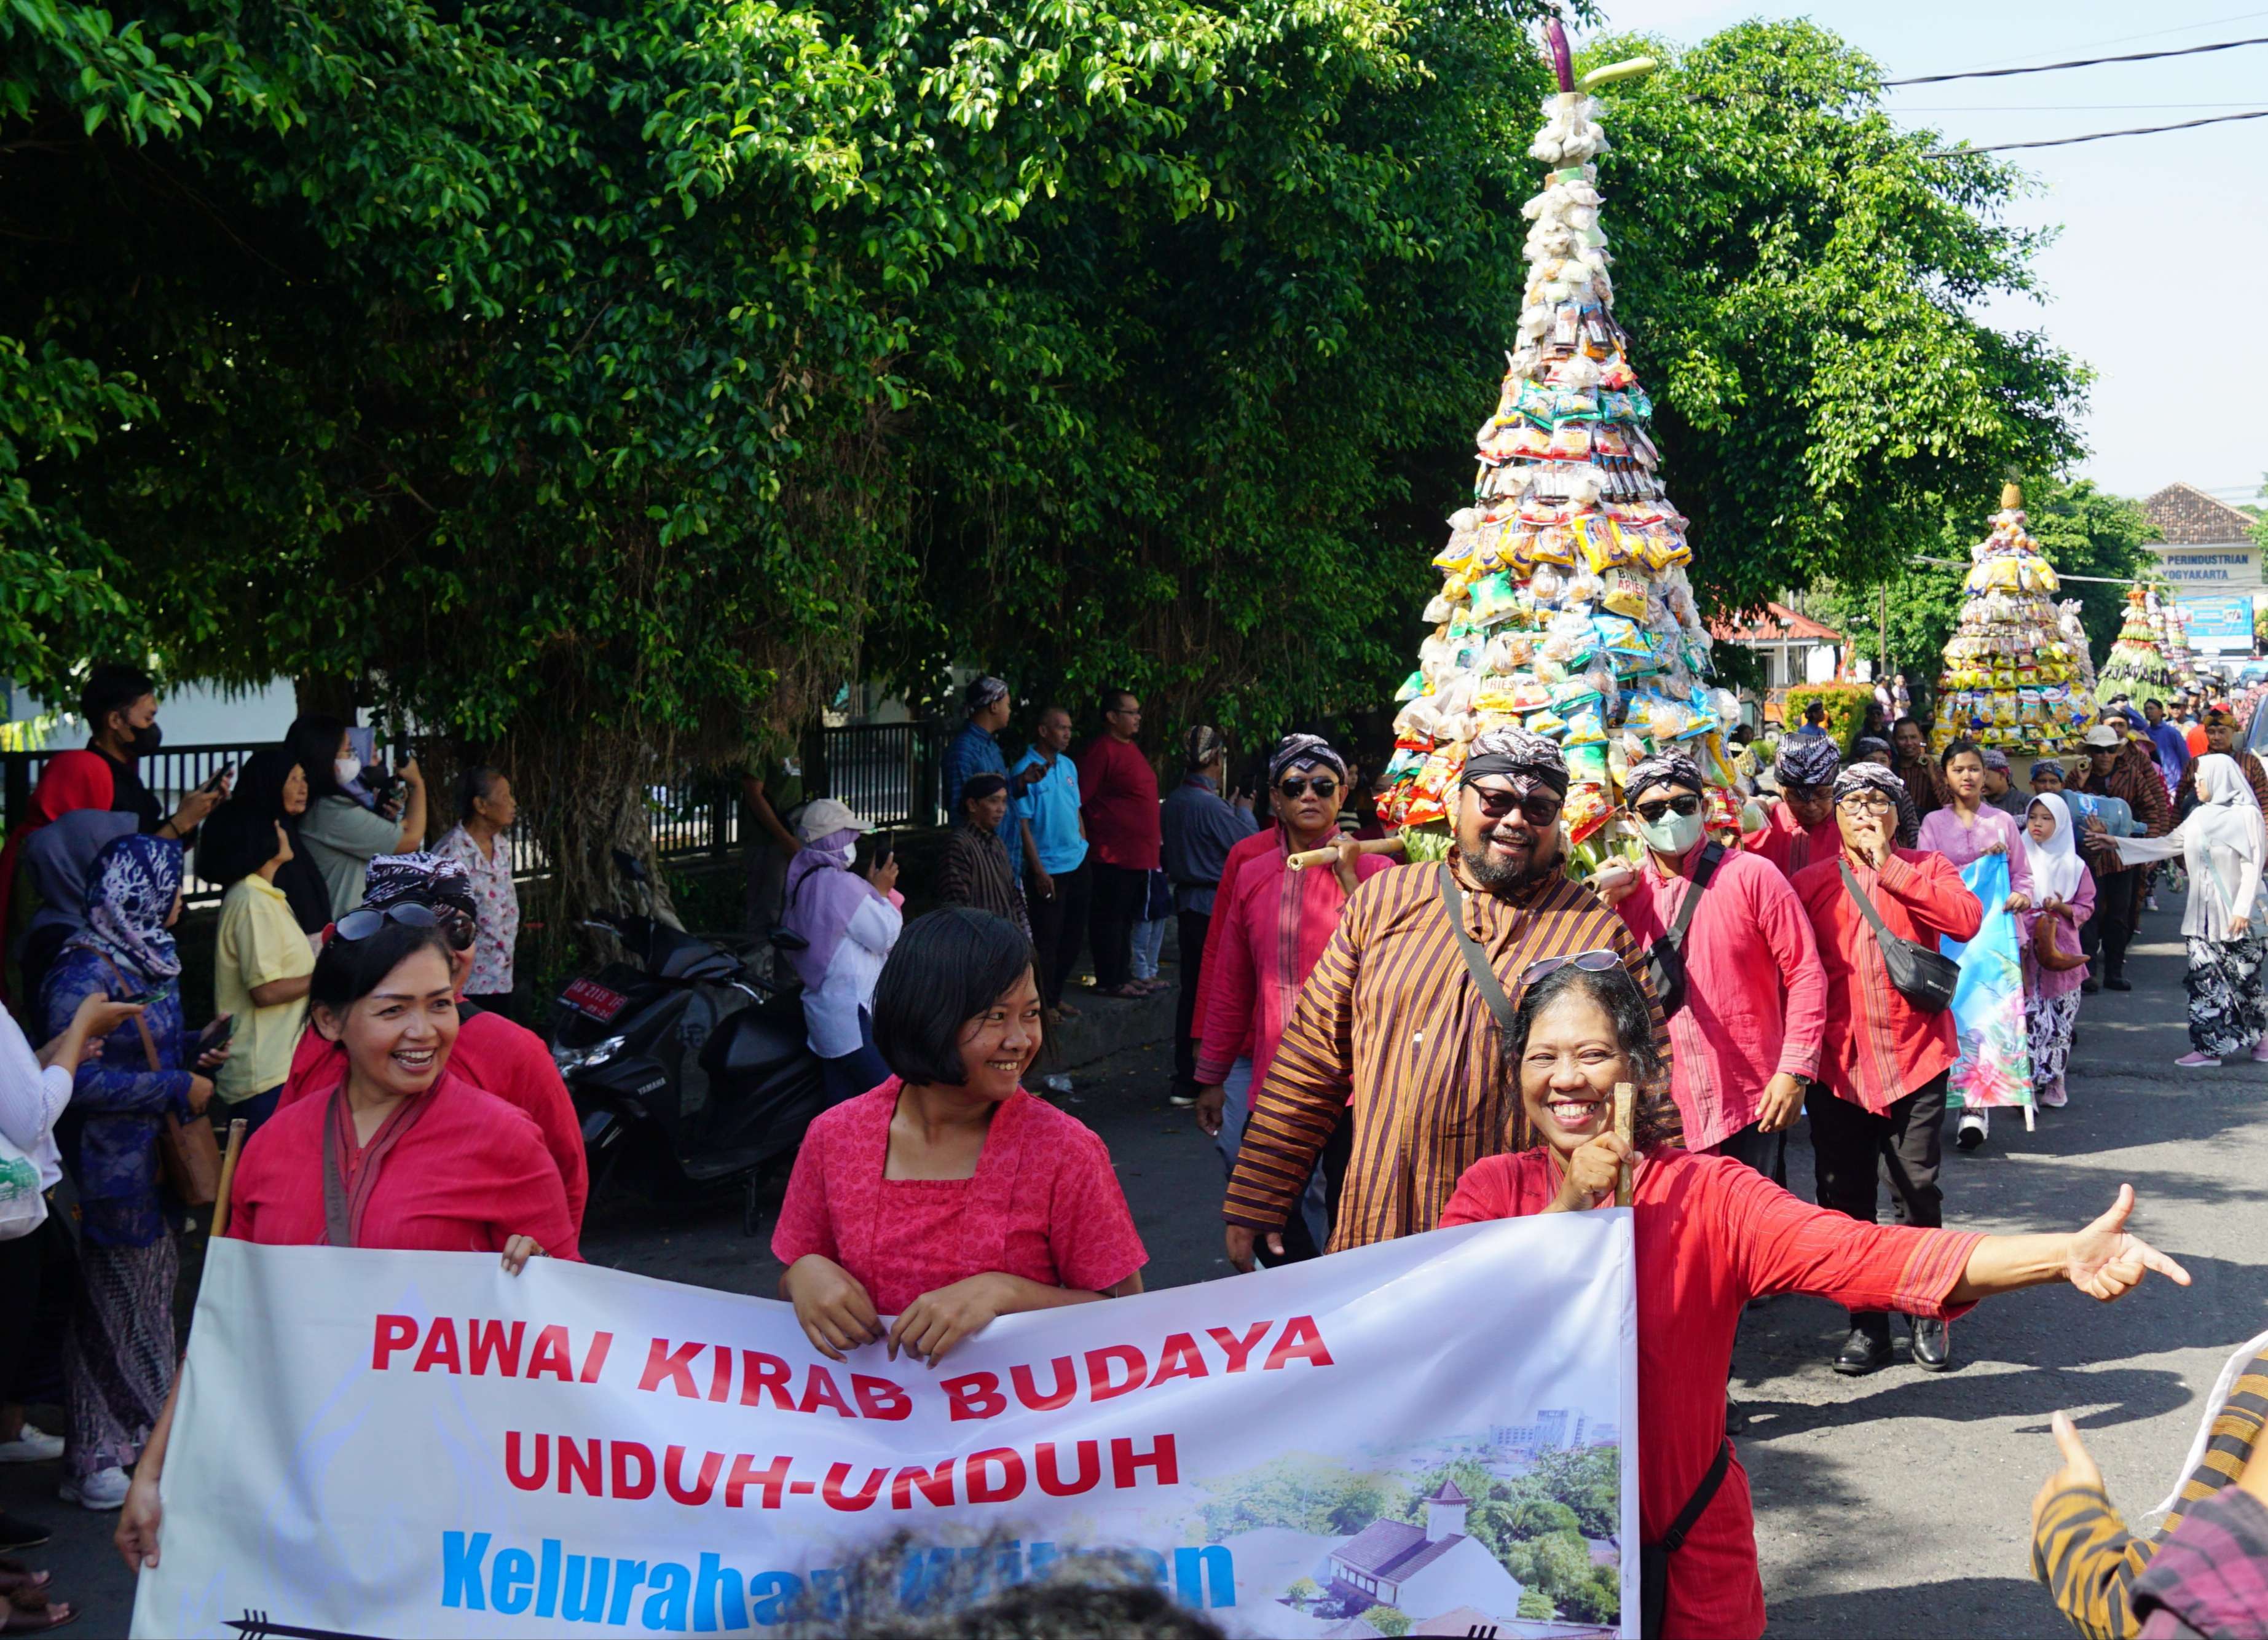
(1797, 276)
(1304, 1589)
(1388, 1619)
(1536, 1606)
(1298, 1491)
(1599, 1599)
(1558, 1565)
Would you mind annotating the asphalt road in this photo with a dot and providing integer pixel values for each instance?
(1892, 1505)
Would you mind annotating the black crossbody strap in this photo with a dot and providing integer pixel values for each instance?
(1477, 962)
(1710, 857)
(1866, 905)
(1689, 1517)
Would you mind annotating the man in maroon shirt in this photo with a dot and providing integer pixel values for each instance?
(1118, 795)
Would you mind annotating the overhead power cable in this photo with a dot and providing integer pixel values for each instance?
(2080, 62)
(2147, 34)
(2092, 137)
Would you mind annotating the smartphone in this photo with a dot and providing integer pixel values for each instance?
(218, 1031)
(226, 770)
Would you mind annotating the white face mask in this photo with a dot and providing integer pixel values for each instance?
(346, 768)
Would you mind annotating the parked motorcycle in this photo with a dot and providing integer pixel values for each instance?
(687, 1070)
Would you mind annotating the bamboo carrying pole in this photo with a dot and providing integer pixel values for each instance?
(1301, 861)
(1625, 1123)
(227, 1177)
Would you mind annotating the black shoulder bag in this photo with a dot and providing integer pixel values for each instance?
(1654, 1558)
(1923, 977)
(1477, 962)
(1666, 957)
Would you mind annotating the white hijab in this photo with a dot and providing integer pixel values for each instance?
(2222, 843)
(2055, 867)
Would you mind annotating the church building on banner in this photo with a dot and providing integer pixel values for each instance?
(1423, 1571)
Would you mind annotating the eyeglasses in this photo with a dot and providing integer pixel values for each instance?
(1537, 808)
(1295, 786)
(1868, 803)
(1124, 711)
(1590, 962)
(1685, 805)
(455, 926)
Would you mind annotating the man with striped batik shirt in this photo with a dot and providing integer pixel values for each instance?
(1391, 1030)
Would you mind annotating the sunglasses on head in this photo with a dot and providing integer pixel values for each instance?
(1539, 807)
(1590, 962)
(455, 926)
(1298, 786)
(1685, 805)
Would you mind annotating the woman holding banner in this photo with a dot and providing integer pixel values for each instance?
(949, 1195)
(1712, 1235)
(1964, 831)
(401, 1154)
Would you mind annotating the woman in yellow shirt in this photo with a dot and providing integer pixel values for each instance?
(262, 962)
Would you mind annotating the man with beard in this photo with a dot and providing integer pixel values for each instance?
(1399, 1023)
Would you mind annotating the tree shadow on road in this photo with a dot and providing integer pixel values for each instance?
(2010, 1607)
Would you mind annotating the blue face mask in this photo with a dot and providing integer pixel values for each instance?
(1674, 833)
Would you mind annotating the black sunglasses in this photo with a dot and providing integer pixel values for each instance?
(1298, 786)
(1686, 804)
(455, 926)
(1537, 808)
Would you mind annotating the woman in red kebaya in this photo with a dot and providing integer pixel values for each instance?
(949, 1195)
(1712, 1234)
(398, 1153)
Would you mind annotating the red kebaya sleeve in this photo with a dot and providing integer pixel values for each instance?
(1229, 982)
(1780, 1244)
(1090, 1233)
(804, 1227)
(1482, 1193)
(1786, 927)
(529, 1199)
(1933, 894)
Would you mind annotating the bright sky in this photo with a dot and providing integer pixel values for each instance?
(2159, 279)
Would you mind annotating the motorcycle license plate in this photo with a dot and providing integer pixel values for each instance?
(590, 998)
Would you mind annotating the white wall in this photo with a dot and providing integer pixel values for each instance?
(195, 714)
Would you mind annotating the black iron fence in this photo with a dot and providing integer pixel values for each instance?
(888, 775)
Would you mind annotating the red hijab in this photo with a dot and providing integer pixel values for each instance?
(71, 781)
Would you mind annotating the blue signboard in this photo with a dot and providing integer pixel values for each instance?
(2219, 624)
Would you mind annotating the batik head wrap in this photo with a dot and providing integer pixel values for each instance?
(2048, 766)
(1299, 751)
(1806, 759)
(1205, 744)
(1995, 758)
(129, 895)
(419, 878)
(1870, 745)
(1868, 777)
(1516, 752)
(982, 694)
(1663, 768)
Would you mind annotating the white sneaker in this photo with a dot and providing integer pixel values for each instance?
(105, 1489)
(1975, 1124)
(33, 1444)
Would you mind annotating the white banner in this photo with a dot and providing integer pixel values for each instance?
(1434, 1435)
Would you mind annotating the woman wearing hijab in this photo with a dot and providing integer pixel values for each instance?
(274, 786)
(119, 1360)
(2221, 844)
(845, 925)
(43, 870)
(2062, 889)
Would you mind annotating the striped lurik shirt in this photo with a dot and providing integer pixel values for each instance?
(2081, 1549)
(1390, 1025)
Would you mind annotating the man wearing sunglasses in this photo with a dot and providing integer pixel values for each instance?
(1800, 828)
(1394, 1026)
(1746, 1030)
(1879, 1106)
(491, 1053)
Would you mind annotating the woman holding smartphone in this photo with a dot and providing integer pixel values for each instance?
(119, 1363)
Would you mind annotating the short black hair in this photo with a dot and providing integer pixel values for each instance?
(1955, 748)
(348, 970)
(1616, 990)
(978, 787)
(111, 688)
(473, 784)
(1814, 712)
(237, 840)
(1111, 698)
(1900, 723)
(946, 968)
(314, 743)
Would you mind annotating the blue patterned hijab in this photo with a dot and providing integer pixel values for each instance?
(129, 896)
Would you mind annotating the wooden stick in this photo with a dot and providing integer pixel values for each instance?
(1301, 861)
(227, 1176)
(1625, 1123)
